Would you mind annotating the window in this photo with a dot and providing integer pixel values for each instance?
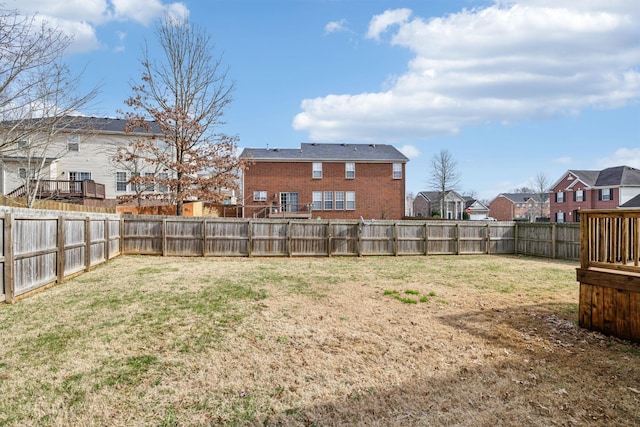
(121, 181)
(560, 217)
(73, 143)
(559, 197)
(397, 171)
(317, 200)
(79, 176)
(22, 173)
(328, 200)
(339, 195)
(135, 186)
(605, 194)
(578, 196)
(22, 144)
(317, 170)
(351, 200)
(163, 188)
(260, 196)
(150, 185)
(350, 170)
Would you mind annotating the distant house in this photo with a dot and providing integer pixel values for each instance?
(610, 188)
(330, 181)
(449, 205)
(76, 165)
(518, 206)
(475, 209)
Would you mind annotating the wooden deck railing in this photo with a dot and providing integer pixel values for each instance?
(609, 272)
(63, 190)
(610, 239)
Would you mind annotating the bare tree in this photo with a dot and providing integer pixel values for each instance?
(541, 187)
(38, 96)
(185, 93)
(444, 175)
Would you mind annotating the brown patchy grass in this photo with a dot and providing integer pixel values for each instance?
(447, 340)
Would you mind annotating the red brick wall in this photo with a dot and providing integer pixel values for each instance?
(378, 195)
(571, 209)
(501, 209)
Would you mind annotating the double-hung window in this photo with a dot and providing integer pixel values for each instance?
(606, 194)
(578, 196)
(150, 182)
(350, 170)
(317, 170)
(316, 200)
(350, 197)
(397, 171)
(162, 186)
(339, 196)
(121, 181)
(328, 200)
(73, 142)
(559, 197)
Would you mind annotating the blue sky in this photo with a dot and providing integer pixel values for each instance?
(510, 88)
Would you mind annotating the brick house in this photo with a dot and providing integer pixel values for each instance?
(609, 188)
(330, 181)
(518, 206)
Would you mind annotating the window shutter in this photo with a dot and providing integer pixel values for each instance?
(600, 194)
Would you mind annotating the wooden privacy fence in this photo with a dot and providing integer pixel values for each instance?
(609, 272)
(44, 247)
(269, 237)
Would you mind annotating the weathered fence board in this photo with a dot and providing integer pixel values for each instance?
(43, 247)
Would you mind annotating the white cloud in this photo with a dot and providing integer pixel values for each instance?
(336, 26)
(504, 63)
(622, 157)
(380, 23)
(81, 18)
(411, 151)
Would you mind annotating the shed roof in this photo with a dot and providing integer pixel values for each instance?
(327, 152)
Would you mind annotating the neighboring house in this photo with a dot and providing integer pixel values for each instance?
(78, 166)
(427, 204)
(475, 209)
(518, 206)
(332, 181)
(609, 188)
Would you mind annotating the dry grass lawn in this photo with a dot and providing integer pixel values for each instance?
(438, 340)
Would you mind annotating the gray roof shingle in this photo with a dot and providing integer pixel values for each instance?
(327, 152)
(610, 177)
(79, 123)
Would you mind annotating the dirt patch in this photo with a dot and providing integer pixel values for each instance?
(451, 340)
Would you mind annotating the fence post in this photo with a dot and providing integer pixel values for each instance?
(288, 231)
(107, 241)
(515, 239)
(395, 238)
(204, 237)
(488, 238)
(87, 250)
(359, 239)
(249, 237)
(457, 238)
(329, 236)
(9, 280)
(60, 242)
(164, 236)
(554, 240)
(426, 239)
